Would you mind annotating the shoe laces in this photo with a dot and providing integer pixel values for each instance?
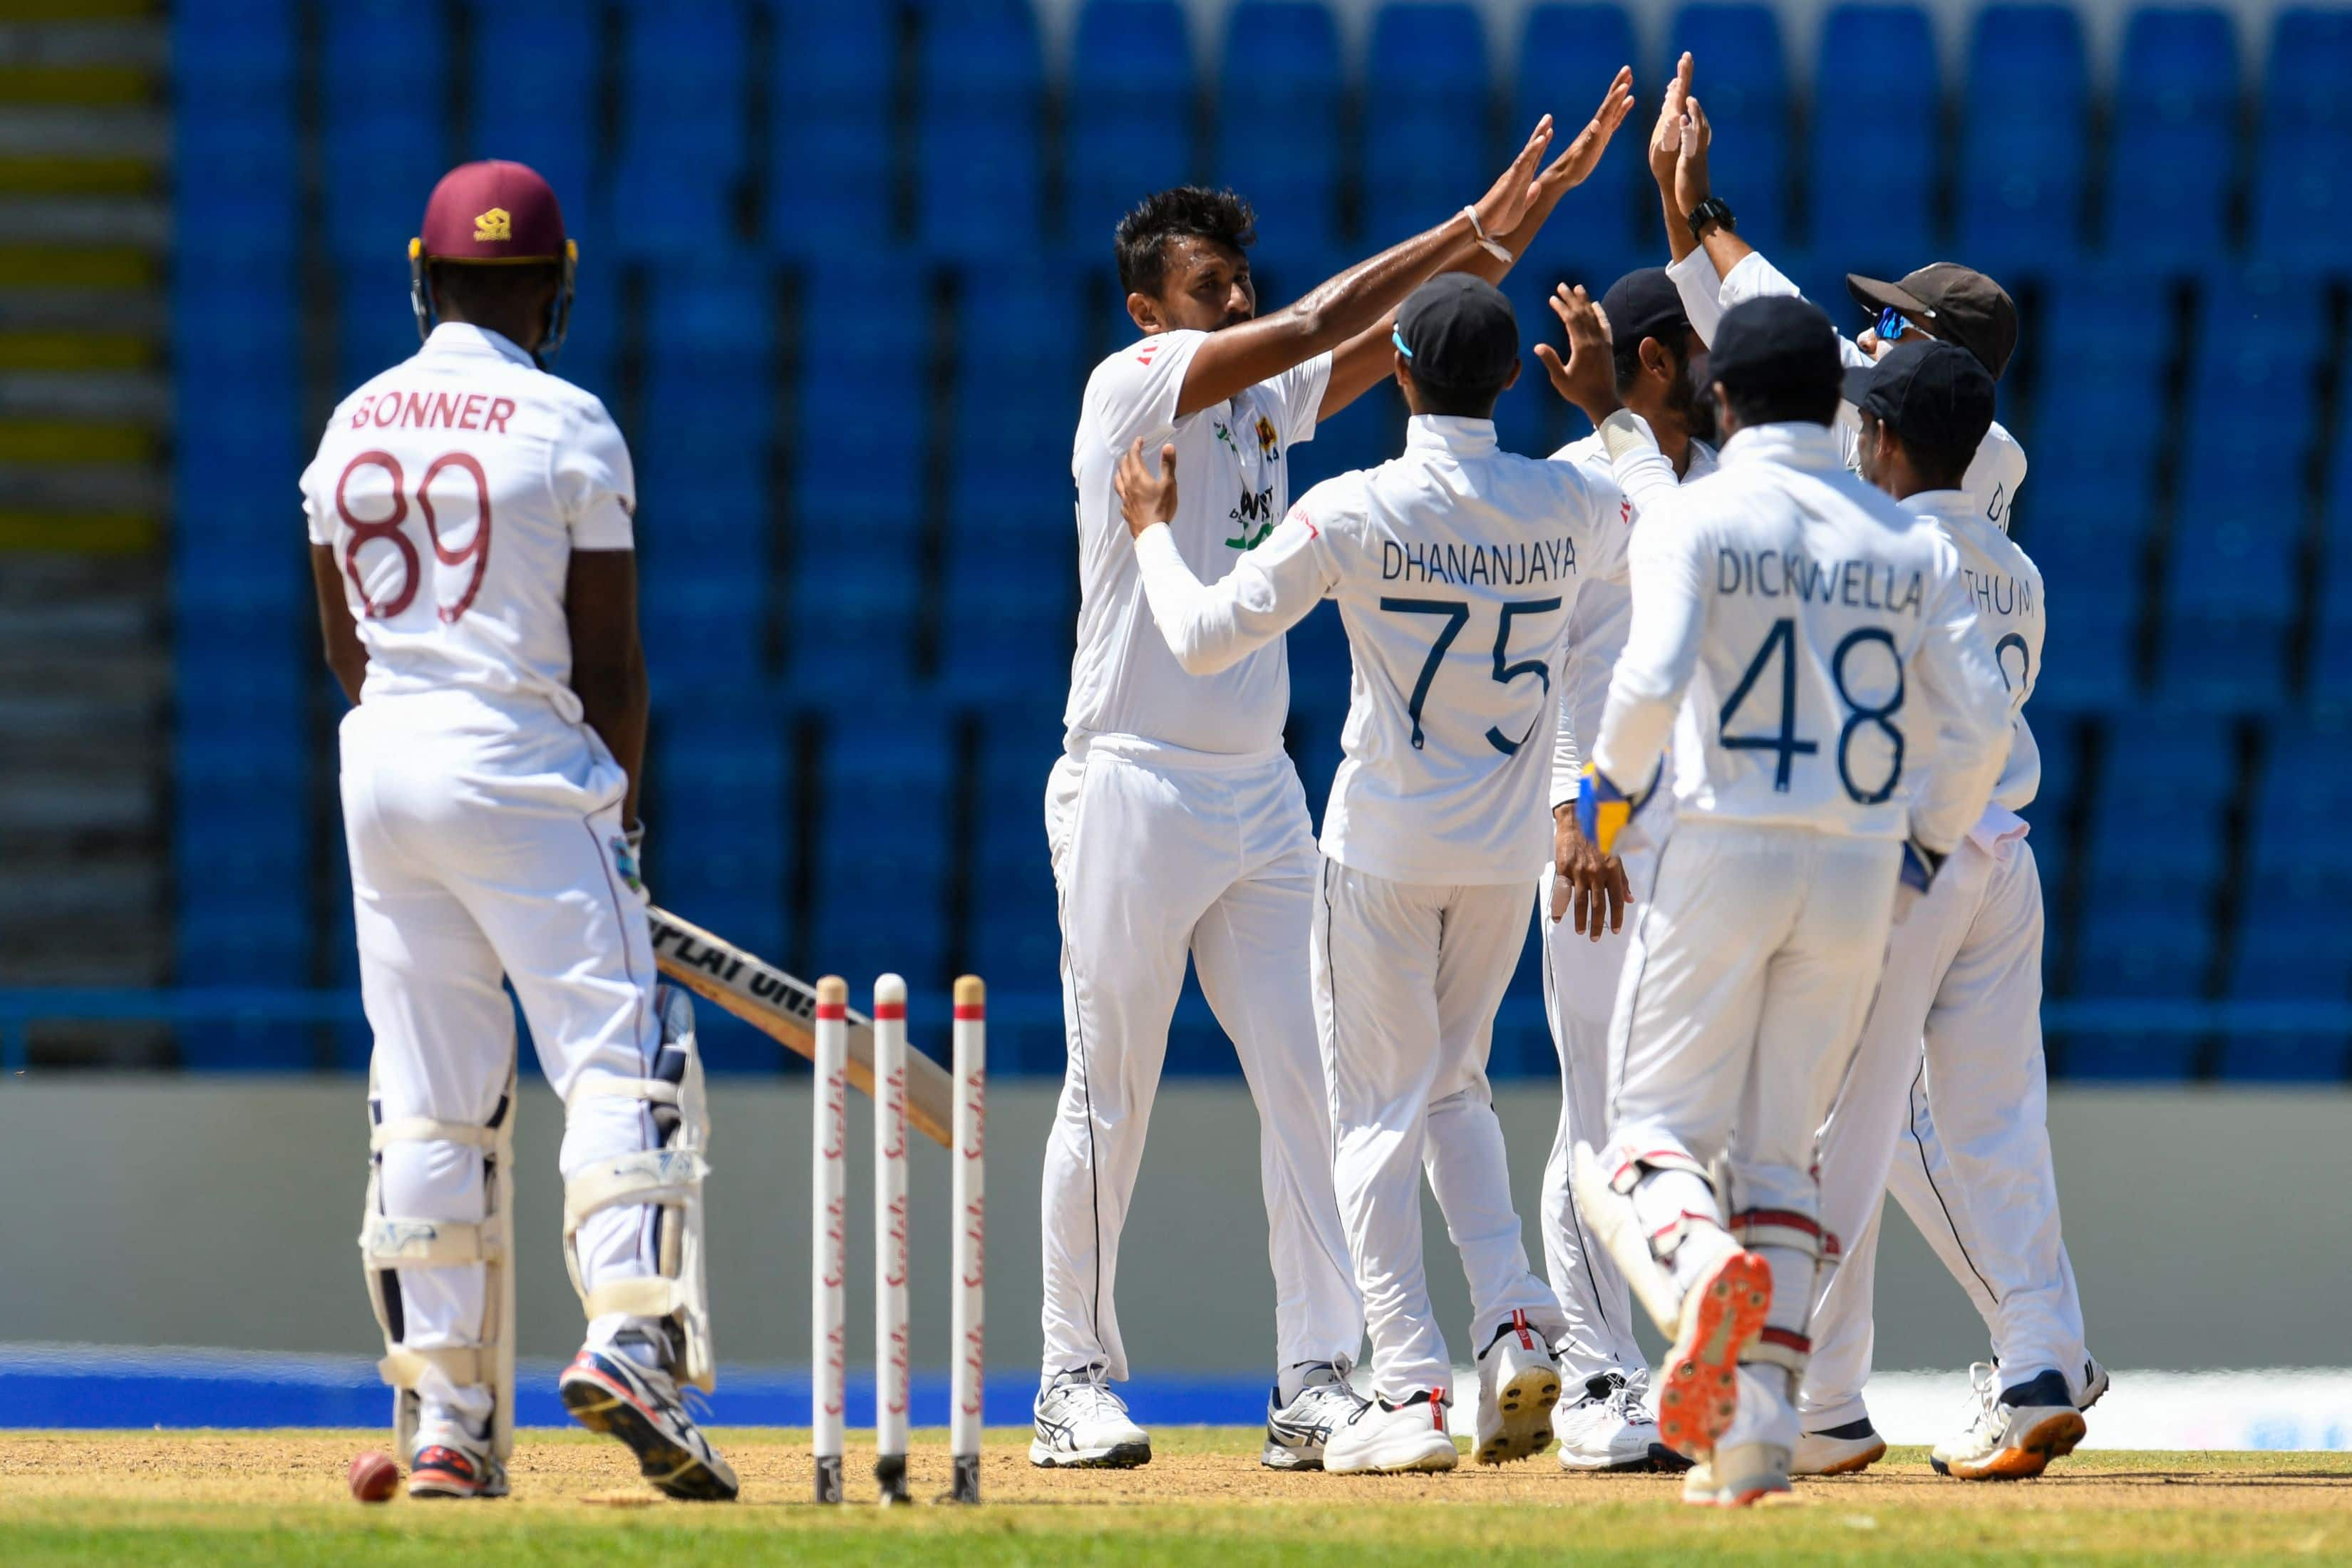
(1090, 1390)
(1984, 1393)
(1325, 1396)
(1627, 1404)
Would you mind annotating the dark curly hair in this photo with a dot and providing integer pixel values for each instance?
(1186, 211)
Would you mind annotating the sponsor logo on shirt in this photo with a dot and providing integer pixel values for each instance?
(1253, 519)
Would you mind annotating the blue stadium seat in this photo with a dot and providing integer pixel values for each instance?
(704, 471)
(721, 815)
(1873, 135)
(979, 84)
(1742, 83)
(531, 97)
(884, 865)
(375, 326)
(1129, 128)
(2300, 202)
(2231, 596)
(1012, 553)
(2156, 851)
(2173, 129)
(232, 165)
(384, 139)
(678, 182)
(2230, 606)
(857, 488)
(2025, 120)
(829, 167)
(1567, 55)
(591, 353)
(2261, 336)
(1426, 150)
(2292, 944)
(1279, 143)
(1012, 933)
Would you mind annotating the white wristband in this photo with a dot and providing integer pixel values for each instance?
(1491, 248)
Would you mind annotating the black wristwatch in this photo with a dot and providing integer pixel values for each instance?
(1714, 210)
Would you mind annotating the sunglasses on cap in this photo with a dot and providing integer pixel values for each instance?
(1893, 323)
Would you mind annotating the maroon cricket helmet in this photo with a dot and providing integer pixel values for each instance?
(491, 213)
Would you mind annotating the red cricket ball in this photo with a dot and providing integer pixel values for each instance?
(374, 1478)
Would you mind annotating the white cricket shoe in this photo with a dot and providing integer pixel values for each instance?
(1081, 1424)
(1519, 1385)
(1296, 1433)
(1610, 1428)
(1722, 1313)
(1390, 1441)
(2013, 1432)
(1739, 1475)
(1838, 1450)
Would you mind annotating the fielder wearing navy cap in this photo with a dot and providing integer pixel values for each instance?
(1780, 345)
(1645, 304)
(1933, 394)
(1458, 334)
(492, 213)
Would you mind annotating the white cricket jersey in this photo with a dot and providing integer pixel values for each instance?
(2006, 587)
(1994, 474)
(453, 490)
(1456, 568)
(1233, 485)
(1811, 644)
(1596, 632)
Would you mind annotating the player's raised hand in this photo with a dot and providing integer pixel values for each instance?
(1589, 378)
(1582, 156)
(1507, 199)
(1146, 498)
(1690, 162)
(1666, 137)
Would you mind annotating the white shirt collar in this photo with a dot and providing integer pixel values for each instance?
(1795, 443)
(1944, 506)
(1450, 433)
(465, 338)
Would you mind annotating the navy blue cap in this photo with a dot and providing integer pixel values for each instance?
(1459, 333)
(1938, 395)
(1646, 304)
(1779, 342)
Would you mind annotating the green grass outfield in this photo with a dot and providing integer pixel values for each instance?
(279, 1497)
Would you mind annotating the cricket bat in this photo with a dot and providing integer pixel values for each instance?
(784, 1009)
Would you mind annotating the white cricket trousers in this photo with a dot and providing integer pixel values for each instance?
(1947, 1105)
(1407, 979)
(1160, 852)
(482, 846)
(1579, 981)
(1743, 995)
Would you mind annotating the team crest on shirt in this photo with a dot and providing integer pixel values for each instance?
(1266, 438)
(625, 864)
